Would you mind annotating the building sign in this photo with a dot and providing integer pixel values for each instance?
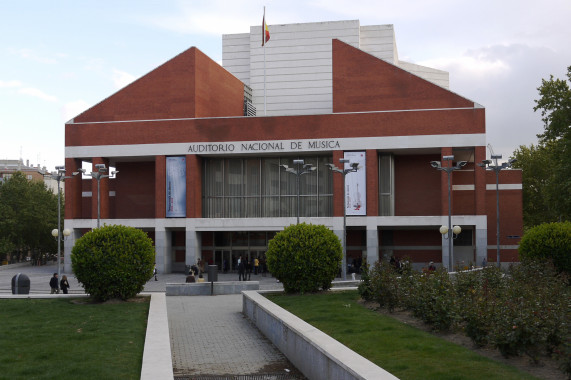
(356, 185)
(264, 146)
(176, 186)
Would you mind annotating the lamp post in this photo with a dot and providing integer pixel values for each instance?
(447, 231)
(353, 167)
(300, 170)
(487, 165)
(59, 176)
(98, 175)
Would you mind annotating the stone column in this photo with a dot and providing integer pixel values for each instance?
(163, 250)
(193, 246)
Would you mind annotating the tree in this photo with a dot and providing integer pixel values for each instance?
(113, 261)
(28, 213)
(304, 257)
(555, 106)
(540, 190)
(547, 166)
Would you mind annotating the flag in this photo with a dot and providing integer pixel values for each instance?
(265, 30)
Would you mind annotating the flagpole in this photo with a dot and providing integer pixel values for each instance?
(264, 39)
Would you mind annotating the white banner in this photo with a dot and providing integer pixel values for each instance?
(176, 186)
(356, 185)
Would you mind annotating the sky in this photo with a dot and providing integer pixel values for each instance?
(61, 57)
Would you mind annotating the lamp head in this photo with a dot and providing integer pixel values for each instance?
(496, 156)
(355, 165)
(435, 164)
(461, 164)
(55, 232)
(512, 160)
(298, 162)
(456, 230)
(344, 160)
(443, 230)
(101, 168)
(448, 158)
(66, 232)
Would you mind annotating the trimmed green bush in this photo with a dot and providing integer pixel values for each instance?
(113, 262)
(305, 257)
(548, 241)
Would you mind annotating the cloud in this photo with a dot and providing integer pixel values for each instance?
(10, 84)
(37, 94)
(72, 109)
(207, 17)
(122, 78)
(30, 54)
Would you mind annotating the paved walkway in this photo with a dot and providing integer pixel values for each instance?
(211, 336)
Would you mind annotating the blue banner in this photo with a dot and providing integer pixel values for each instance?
(176, 187)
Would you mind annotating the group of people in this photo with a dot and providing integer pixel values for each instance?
(56, 284)
(246, 267)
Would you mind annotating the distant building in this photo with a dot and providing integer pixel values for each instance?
(204, 177)
(31, 172)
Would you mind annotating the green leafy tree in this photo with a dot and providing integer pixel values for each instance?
(555, 106)
(113, 262)
(540, 188)
(304, 257)
(28, 214)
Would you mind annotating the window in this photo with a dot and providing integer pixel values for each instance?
(259, 187)
(386, 185)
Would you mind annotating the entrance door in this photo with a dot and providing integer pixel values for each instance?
(222, 259)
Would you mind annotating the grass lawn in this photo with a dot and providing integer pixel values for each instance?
(55, 338)
(404, 351)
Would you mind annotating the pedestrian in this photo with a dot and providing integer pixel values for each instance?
(431, 267)
(256, 265)
(241, 275)
(54, 284)
(63, 284)
(155, 271)
(248, 270)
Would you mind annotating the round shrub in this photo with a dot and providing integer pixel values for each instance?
(304, 257)
(113, 262)
(548, 241)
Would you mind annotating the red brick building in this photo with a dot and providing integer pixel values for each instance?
(206, 182)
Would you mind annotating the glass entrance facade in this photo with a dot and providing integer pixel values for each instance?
(260, 187)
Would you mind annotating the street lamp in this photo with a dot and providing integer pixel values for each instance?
(59, 176)
(101, 169)
(353, 167)
(444, 230)
(487, 165)
(300, 170)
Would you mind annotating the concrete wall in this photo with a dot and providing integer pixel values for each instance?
(314, 353)
(204, 288)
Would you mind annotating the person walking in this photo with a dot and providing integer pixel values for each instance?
(54, 284)
(256, 265)
(155, 273)
(64, 284)
(241, 267)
